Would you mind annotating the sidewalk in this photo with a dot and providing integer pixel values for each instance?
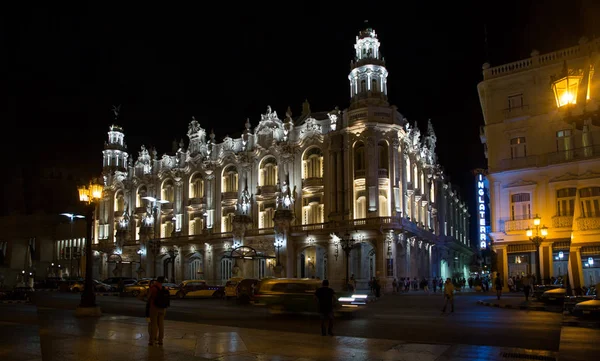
(578, 344)
(65, 338)
(517, 302)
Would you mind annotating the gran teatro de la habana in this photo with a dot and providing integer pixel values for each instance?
(322, 194)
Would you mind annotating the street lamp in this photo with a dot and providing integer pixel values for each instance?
(278, 244)
(348, 243)
(155, 244)
(89, 195)
(173, 252)
(540, 236)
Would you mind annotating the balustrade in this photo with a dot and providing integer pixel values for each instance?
(588, 223)
(562, 221)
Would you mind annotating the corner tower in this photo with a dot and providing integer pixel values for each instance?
(368, 75)
(115, 150)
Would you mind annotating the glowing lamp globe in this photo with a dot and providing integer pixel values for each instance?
(529, 232)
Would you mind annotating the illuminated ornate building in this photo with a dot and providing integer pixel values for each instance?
(293, 196)
(542, 141)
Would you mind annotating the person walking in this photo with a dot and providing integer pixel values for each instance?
(526, 281)
(159, 302)
(325, 298)
(448, 295)
(498, 284)
(434, 284)
(145, 296)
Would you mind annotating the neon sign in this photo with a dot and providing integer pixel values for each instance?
(481, 211)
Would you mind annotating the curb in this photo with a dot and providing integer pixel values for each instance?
(107, 294)
(15, 302)
(590, 324)
(45, 290)
(497, 305)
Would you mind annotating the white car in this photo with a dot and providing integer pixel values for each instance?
(587, 308)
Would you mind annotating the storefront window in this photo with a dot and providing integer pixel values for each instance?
(591, 268)
(518, 264)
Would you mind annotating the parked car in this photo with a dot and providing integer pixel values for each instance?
(199, 288)
(172, 288)
(589, 308)
(98, 287)
(555, 296)
(114, 281)
(538, 290)
(48, 283)
(136, 288)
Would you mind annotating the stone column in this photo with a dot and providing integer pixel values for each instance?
(575, 267)
(502, 264)
(372, 175)
(283, 219)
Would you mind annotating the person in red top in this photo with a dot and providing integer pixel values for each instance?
(157, 314)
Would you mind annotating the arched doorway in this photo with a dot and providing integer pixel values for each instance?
(363, 264)
(195, 268)
(312, 263)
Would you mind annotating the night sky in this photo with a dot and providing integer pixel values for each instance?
(66, 66)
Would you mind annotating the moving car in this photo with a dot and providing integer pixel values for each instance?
(231, 287)
(172, 288)
(199, 288)
(114, 281)
(137, 288)
(297, 295)
(98, 286)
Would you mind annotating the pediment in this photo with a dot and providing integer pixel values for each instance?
(589, 174)
(520, 183)
(565, 177)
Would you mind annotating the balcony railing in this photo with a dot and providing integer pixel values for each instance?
(139, 210)
(514, 225)
(167, 206)
(510, 113)
(268, 189)
(542, 160)
(360, 173)
(196, 202)
(588, 223)
(383, 173)
(229, 195)
(259, 231)
(312, 182)
(562, 221)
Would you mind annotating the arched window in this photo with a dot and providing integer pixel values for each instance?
(139, 199)
(408, 177)
(195, 268)
(363, 86)
(361, 208)
(229, 181)
(225, 269)
(422, 183)
(432, 192)
(374, 85)
(197, 186)
(312, 163)
(268, 172)
(415, 177)
(168, 191)
(119, 202)
(384, 209)
(383, 155)
(359, 157)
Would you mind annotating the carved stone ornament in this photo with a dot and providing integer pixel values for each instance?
(520, 183)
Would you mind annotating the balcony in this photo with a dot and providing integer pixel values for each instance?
(542, 160)
(515, 225)
(383, 173)
(312, 183)
(225, 196)
(511, 113)
(196, 202)
(588, 223)
(268, 190)
(562, 221)
(360, 173)
(167, 206)
(140, 210)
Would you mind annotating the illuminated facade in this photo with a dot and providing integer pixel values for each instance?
(542, 142)
(280, 199)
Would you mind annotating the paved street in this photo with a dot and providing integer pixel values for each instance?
(410, 318)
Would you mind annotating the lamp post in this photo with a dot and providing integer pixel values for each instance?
(540, 236)
(140, 252)
(348, 243)
(89, 195)
(278, 244)
(173, 252)
(155, 244)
